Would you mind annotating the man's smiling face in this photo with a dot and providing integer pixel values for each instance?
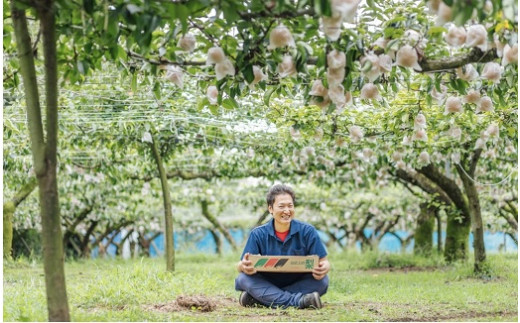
(282, 211)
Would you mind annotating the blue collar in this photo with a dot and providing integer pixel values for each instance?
(293, 229)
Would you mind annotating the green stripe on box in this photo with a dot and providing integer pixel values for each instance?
(260, 262)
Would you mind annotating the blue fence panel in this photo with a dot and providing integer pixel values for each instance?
(203, 241)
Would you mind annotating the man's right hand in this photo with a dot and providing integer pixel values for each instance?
(246, 266)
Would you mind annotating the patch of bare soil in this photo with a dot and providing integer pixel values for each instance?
(192, 302)
(465, 315)
(424, 315)
(404, 269)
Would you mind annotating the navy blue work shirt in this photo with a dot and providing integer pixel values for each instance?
(302, 240)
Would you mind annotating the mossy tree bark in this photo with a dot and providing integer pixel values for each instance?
(168, 216)
(444, 190)
(459, 221)
(424, 230)
(8, 229)
(44, 148)
(9, 209)
(467, 173)
(456, 246)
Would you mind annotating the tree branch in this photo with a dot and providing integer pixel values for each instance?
(513, 209)
(474, 56)
(447, 185)
(284, 14)
(72, 227)
(473, 162)
(512, 237)
(510, 220)
(164, 61)
(425, 184)
(25, 191)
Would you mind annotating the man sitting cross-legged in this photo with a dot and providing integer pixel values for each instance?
(283, 235)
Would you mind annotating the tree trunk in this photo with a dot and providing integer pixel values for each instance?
(476, 216)
(8, 229)
(457, 237)
(513, 237)
(119, 246)
(69, 232)
(9, 208)
(360, 233)
(424, 230)
(169, 246)
(85, 244)
(459, 217)
(218, 242)
(216, 224)
(44, 153)
(147, 243)
(382, 230)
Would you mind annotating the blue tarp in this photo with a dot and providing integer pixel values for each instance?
(204, 242)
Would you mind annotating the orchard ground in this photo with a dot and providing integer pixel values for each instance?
(364, 287)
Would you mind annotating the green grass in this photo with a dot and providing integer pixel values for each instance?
(364, 287)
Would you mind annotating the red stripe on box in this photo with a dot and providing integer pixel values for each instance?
(271, 262)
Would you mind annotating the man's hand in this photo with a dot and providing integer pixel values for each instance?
(322, 269)
(246, 266)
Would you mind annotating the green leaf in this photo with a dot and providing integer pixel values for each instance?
(367, 66)
(463, 15)
(325, 8)
(249, 76)
(157, 90)
(208, 151)
(121, 52)
(182, 13)
(214, 109)
(348, 82)
(436, 30)
(7, 40)
(228, 104)
(511, 132)
(134, 83)
(203, 103)
(235, 103)
(8, 124)
(88, 5)
(230, 12)
(393, 45)
(267, 95)
(502, 101)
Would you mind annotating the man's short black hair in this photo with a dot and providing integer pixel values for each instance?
(279, 189)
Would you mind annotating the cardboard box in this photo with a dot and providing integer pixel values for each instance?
(284, 264)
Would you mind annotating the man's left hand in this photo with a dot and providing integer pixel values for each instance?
(322, 269)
